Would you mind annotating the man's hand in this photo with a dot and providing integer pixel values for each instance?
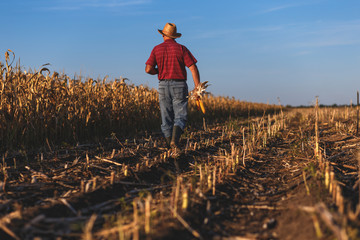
(199, 90)
(151, 70)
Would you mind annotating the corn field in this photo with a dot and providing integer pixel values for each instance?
(243, 171)
(38, 108)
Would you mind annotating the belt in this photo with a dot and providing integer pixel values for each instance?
(175, 80)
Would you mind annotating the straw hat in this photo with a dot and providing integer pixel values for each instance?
(170, 31)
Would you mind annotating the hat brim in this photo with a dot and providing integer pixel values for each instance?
(177, 35)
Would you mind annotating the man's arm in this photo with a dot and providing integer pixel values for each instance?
(151, 70)
(195, 74)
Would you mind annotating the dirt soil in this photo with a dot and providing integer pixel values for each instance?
(81, 192)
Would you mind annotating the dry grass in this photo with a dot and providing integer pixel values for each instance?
(38, 107)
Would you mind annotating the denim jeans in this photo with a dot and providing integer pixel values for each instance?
(173, 105)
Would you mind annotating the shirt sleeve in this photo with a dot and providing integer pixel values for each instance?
(152, 60)
(189, 59)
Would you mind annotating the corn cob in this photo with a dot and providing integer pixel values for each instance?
(197, 94)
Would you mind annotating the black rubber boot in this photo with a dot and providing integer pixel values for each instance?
(168, 141)
(177, 131)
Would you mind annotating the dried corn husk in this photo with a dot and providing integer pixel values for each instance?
(197, 95)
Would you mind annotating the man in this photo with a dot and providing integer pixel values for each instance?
(168, 61)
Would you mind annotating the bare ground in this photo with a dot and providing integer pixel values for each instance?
(54, 195)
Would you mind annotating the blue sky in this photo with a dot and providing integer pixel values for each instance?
(254, 50)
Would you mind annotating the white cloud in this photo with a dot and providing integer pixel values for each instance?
(234, 31)
(326, 43)
(324, 34)
(216, 33)
(114, 4)
(302, 53)
(73, 5)
(292, 5)
(273, 9)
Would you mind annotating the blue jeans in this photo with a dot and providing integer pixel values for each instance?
(173, 105)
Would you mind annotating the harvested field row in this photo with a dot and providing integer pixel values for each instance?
(73, 181)
(256, 179)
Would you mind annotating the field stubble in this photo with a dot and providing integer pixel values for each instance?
(255, 179)
(270, 177)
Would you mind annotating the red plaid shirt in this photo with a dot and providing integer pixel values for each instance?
(171, 59)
